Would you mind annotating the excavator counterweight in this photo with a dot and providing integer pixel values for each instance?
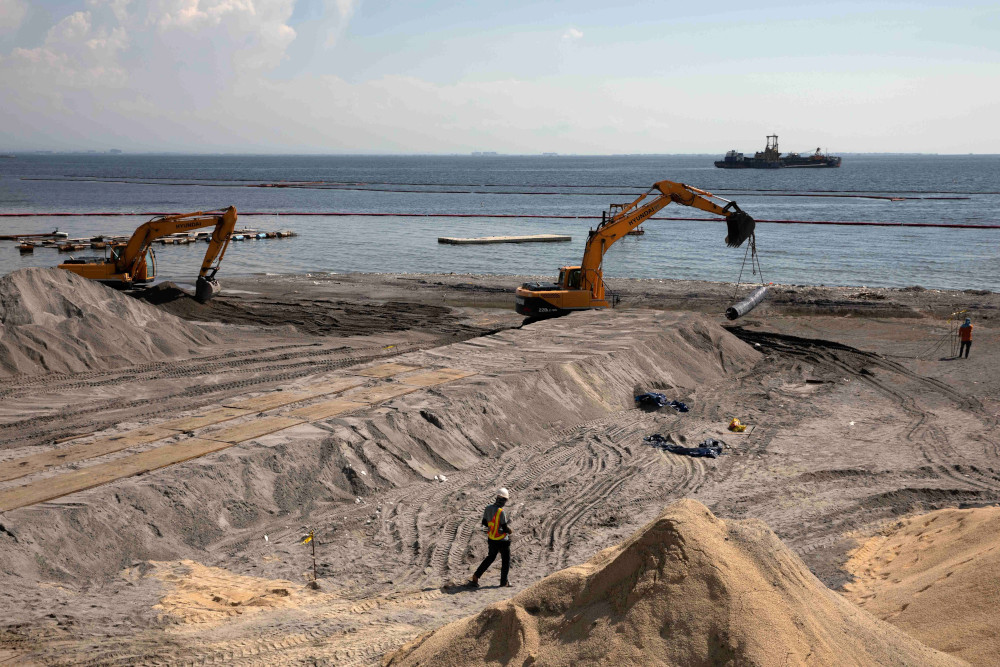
(131, 264)
(582, 287)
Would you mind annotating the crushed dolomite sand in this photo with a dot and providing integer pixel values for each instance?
(936, 576)
(687, 589)
(54, 321)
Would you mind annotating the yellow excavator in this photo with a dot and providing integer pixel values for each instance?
(582, 287)
(127, 265)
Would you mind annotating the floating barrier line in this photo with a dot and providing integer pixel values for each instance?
(189, 181)
(343, 214)
(364, 187)
(345, 188)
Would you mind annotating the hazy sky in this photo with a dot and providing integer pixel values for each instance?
(447, 76)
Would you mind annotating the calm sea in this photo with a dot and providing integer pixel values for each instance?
(949, 189)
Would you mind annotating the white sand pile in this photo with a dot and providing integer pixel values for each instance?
(937, 577)
(687, 589)
(52, 320)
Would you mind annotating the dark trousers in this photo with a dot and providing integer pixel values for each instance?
(966, 344)
(501, 547)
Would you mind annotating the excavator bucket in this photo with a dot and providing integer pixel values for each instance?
(205, 289)
(740, 227)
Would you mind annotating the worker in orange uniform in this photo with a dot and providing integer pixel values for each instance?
(498, 539)
(965, 335)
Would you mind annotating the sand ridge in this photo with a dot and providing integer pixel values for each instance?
(687, 589)
(422, 433)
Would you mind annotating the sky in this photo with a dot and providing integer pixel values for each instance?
(526, 77)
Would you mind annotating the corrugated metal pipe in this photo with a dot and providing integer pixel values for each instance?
(746, 305)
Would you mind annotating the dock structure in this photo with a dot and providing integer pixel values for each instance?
(533, 238)
(28, 242)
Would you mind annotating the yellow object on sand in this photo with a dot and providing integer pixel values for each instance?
(736, 426)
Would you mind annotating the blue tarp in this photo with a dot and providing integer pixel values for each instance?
(652, 399)
(710, 447)
(655, 399)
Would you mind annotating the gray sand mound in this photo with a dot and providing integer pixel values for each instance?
(56, 321)
(687, 589)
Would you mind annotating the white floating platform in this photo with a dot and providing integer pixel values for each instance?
(534, 238)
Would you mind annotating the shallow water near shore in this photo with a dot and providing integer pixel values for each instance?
(938, 189)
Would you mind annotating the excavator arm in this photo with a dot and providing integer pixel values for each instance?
(138, 245)
(631, 215)
(142, 238)
(582, 287)
(127, 264)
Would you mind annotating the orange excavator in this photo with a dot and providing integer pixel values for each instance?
(582, 287)
(127, 265)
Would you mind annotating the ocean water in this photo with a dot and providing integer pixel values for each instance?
(937, 189)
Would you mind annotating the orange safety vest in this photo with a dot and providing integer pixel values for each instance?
(965, 333)
(494, 526)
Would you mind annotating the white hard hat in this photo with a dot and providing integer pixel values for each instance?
(503, 493)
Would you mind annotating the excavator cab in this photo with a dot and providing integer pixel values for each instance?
(569, 277)
(145, 268)
(568, 293)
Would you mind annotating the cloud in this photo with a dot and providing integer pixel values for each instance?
(75, 54)
(119, 8)
(346, 8)
(344, 11)
(190, 75)
(252, 35)
(12, 12)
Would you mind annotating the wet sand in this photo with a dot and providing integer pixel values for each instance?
(859, 416)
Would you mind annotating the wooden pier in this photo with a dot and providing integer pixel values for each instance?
(28, 242)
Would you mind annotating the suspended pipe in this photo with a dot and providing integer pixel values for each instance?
(746, 305)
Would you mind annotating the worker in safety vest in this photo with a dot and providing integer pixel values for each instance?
(965, 335)
(497, 537)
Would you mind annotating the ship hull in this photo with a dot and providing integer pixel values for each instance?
(771, 158)
(749, 163)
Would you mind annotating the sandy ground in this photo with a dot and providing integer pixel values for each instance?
(686, 589)
(859, 415)
(935, 576)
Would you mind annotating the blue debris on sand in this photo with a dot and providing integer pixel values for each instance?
(710, 447)
(657, 400)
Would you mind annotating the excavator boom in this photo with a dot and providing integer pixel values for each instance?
(129, 263)
(582, 287)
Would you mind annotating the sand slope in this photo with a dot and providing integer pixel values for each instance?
(55, 321)
(937, 577)
(442, 430)
(687, 589)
